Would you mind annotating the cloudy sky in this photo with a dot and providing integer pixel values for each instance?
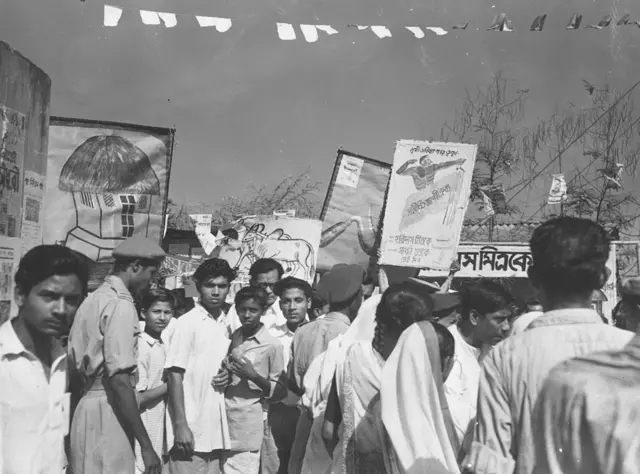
(249, 107)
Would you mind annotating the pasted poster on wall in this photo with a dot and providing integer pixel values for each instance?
(12, 136)
(105, 182)
(10, 253)
(292, 242)
(352, 210)
(428, 196)
(32, 207)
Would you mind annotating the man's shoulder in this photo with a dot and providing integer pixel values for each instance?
(269, 339)
(308, 328)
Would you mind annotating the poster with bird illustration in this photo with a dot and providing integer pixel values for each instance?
(428, 196)
(351, 211)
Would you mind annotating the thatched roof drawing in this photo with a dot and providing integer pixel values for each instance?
(109, 164)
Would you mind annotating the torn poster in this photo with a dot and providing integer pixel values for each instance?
(558, 191)
(34, 189)
(12, 135)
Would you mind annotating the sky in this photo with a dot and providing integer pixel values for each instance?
(250, 108)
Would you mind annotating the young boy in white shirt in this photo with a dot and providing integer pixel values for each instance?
(158, 306)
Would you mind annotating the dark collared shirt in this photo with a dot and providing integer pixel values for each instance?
(245, 401)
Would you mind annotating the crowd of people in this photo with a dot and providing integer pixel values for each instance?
(356, 376)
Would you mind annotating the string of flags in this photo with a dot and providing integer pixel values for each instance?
(311, 32)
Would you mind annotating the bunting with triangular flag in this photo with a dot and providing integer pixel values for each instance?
(311, 32)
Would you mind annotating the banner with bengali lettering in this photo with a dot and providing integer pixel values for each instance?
(428, 196)
(351, 211)
(512, 260)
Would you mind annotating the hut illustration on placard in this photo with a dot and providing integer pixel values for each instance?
(113, 185)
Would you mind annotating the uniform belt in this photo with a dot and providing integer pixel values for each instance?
(101, 384)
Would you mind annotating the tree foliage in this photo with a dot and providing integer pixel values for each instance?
(596, 190)
(299, 193)
(493, 119)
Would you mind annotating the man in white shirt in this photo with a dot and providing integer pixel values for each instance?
(485, 310)
(34, 404)
(198, 431)
(265, 273)
(522, 322)
(569, 263)
(295, 297)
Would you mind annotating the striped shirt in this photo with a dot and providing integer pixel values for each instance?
(587, 415)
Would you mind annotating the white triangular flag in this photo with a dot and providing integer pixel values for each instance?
(149, 17)
(558, 191)
(381, 31)
(310, 33)
(487, 205)
(437, 30)
(286, 32)
(166, 225)
(416, 30)
(222, 24)
(169, 19)
(327, 29)
(112, 15)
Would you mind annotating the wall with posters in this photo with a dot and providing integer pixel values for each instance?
(428, 197)
(106, 182)
(25, 92)
(511, 260)
(351, 210)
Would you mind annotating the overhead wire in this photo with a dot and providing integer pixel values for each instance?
(580, 172)
(560, 153)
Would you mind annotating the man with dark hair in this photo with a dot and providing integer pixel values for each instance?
(34, 407)
(485, 309)
(197, 430)
(264, 273)
(522, 322)
(342, 288)
(586, 410)
(103, 350)
(569, 263)
(295, 298)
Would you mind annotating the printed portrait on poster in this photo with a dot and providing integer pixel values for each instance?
(428, 197)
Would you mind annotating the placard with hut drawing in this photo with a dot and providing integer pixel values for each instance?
(428, 196)
(105, 182)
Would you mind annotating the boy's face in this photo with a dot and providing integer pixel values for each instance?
(214, 291)
(158, 316)
(50, 306)
(294, 305)
(267, 281)
(143, 276)
(250, 312)
(493, 327)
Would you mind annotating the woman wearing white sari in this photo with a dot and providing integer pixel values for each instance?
(418, 432)
(349, 429)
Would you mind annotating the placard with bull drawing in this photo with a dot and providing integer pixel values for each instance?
(292, 242)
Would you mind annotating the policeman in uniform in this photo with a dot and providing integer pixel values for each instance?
(103, 350)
